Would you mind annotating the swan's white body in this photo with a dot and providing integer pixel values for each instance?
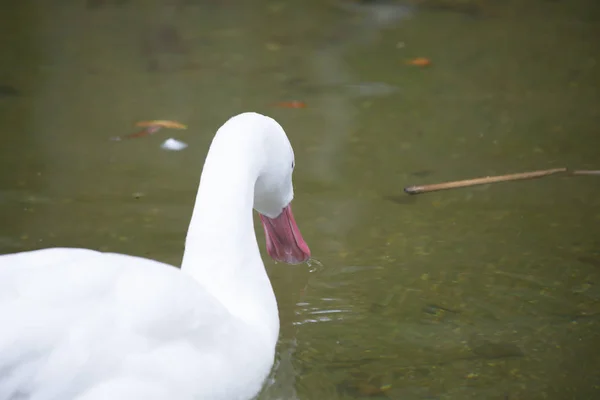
(80, 324)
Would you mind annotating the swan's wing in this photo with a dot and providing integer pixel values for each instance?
(71, 319)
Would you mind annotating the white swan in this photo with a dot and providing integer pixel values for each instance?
(80, 324)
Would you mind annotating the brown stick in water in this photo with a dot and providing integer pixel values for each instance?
(585, 172)
(486, 180)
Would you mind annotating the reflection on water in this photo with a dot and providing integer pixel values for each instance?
(465, 294)
(378, 14)
(321, 313)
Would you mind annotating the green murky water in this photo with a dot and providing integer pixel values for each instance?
(490, 292)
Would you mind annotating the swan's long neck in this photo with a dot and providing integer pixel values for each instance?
(221, 251)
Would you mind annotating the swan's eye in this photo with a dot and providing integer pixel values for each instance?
(292, 165)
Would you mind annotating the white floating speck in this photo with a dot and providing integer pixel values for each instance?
(173, 145)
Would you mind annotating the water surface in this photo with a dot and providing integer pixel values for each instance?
(490, 292)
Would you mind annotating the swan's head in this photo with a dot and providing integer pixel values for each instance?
(273, 194)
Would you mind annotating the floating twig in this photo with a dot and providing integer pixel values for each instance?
(485, 180)
(585, 172)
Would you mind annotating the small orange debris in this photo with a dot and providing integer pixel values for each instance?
(149, 130)
(144, 132)
(290, 104)
(419, 62)
(162, 124)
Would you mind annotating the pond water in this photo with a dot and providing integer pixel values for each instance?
(489, 292)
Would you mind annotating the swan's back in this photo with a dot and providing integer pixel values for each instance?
(80, 324)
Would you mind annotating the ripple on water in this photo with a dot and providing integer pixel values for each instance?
(379, 13)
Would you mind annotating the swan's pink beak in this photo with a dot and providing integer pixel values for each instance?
(284, 240)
